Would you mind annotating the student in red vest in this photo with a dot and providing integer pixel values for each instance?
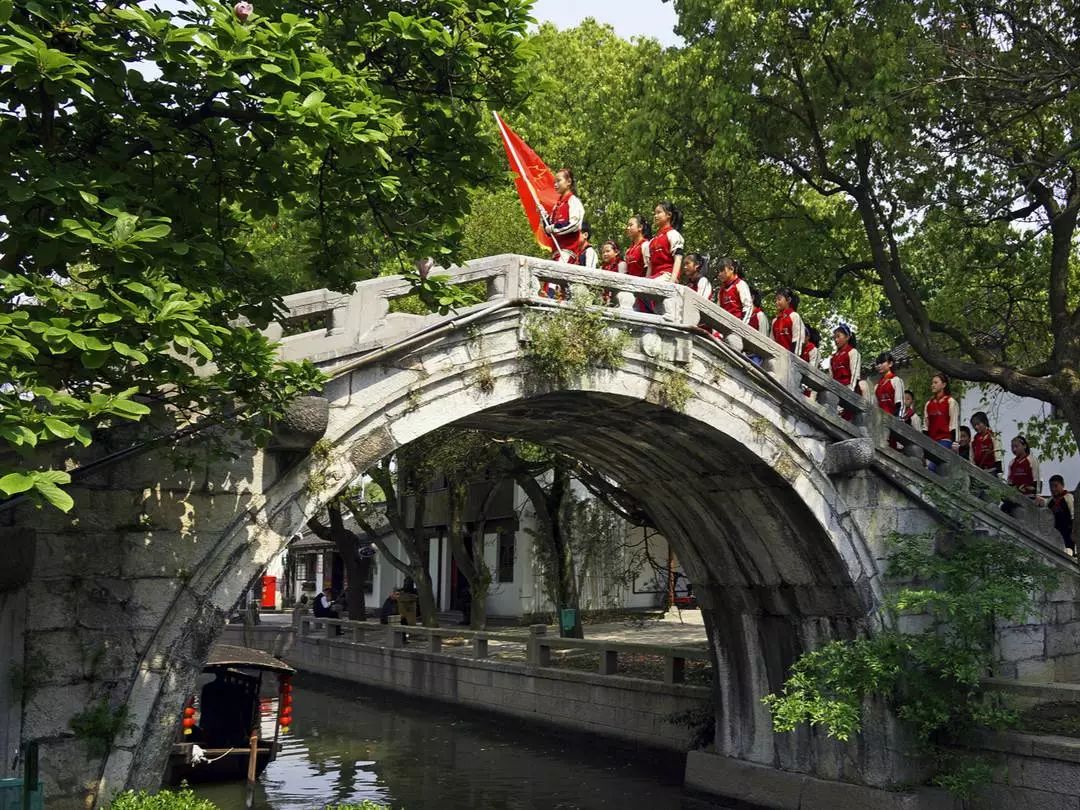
(941, 415)
(637, 255)
(846, 364)
(810, 351)
(666, 248)
(758, 319)
(1063, 508)
(733, 296)
(695, 277)
(889, 392)
(986, 450)
(1024, 468)
(787, 327)
(908, 412)
(587, 256)
(963, 443)
(565, 218)
(610, 259)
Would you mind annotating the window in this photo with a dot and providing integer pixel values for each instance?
(369, 575)
(506, 556)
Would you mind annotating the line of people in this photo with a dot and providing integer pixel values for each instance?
(662, 256)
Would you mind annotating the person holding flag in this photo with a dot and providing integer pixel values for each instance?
(550, 200)
(565, 220)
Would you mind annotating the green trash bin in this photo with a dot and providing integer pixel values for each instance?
(567, 619)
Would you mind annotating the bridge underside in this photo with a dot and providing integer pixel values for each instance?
(768, 576)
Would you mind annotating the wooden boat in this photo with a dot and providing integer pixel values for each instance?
(219, 726)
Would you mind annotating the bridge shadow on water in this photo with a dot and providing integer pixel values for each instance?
(351, 743)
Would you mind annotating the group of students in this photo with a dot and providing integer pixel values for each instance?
(662, 256)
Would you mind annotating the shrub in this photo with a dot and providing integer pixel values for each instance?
(163, 800)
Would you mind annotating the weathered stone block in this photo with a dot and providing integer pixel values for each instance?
(1063, 639)
(1018, 643)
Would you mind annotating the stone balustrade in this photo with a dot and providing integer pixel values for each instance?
(342, 327)
(538, 646)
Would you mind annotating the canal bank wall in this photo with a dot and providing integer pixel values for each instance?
(630, 709)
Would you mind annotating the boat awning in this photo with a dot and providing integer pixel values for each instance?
(231, 655)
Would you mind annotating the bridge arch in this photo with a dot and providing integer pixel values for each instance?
(735, 481)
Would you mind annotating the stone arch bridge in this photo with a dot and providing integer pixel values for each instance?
(777, 508)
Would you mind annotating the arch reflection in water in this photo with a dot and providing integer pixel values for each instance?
(348, 745)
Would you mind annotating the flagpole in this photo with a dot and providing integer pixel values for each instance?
(525, 178)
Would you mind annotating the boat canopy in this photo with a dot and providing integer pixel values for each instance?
(231, 655)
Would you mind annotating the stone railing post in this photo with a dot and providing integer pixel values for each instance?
(674, 669)
(479, 647)
(397, 639)
(539, 654)
(609, 662)
(434, 643)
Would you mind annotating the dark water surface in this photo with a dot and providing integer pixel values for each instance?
(348, 744)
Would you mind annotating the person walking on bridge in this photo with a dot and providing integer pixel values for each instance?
(637, 255)
(788, 328)
(846, 364)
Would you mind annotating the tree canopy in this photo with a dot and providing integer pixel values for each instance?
(150, 154)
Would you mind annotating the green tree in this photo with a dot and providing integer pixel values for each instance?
(131, 196)
(946, 131)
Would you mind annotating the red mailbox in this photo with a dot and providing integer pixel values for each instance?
(269, 592)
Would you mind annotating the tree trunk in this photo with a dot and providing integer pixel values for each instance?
(1071, 412)
(562, 555)
(412, 540)
(470, 562)
(356, 569)
(347, 544)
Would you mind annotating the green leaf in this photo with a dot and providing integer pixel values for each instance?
(54, 495)
(129, 408)
(14, 483)
(5, 10)
(59, 428)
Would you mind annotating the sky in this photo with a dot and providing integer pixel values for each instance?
(628, 17)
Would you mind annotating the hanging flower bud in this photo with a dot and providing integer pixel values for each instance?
(243, 10)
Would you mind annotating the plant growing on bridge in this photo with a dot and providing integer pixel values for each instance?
(563, 346)
(932, 678)
(139, 203)
(99, 724)
(672, 390)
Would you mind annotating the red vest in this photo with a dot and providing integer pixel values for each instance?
(612, 266)
(886, 393)
(729, 298)
(635, 259)
(982, 450)
(907, 414)
(1020, 474)
(937, 418)
(560, 213)
(808, 348)
(755, 318)
(783, 330)
(660, 257)
(840, 364)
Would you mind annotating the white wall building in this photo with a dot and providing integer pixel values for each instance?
(517, 575)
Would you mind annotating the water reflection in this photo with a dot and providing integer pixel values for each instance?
(347, 745)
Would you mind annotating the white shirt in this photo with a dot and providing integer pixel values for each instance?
(702, 287)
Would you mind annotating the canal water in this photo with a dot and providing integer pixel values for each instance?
(348, 744)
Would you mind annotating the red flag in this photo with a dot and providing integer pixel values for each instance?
(534, 180)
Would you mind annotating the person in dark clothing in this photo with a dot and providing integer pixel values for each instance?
(466, 601)
(322, 608)
(389, 608)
